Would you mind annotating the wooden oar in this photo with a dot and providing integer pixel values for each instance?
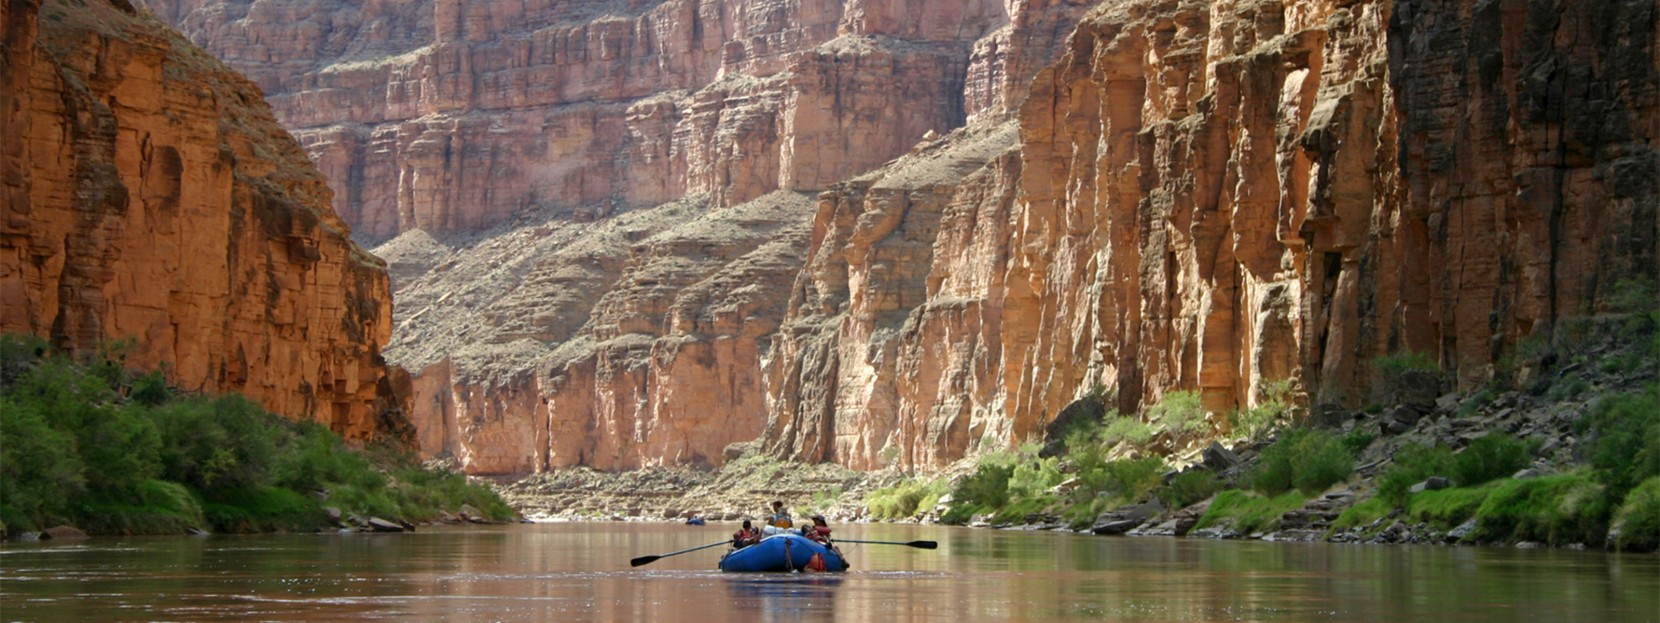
(916, 544)
(646, 560)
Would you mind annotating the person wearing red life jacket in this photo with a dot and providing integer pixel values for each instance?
(819, 531)
(746, 536)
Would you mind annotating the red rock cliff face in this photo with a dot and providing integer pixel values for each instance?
(149, 194)
(1214, 195)
(636, 172)
(452, 116)
(1196, 195)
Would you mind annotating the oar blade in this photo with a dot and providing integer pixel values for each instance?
(643, 560)
(924, 544)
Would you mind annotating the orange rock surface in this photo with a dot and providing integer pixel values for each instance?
(148, 194)
(900, 232)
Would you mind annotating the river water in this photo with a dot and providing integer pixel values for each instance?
(580, 572)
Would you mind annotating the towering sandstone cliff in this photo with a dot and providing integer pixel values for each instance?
(608, 252)
(1214, 195)
(148, 194)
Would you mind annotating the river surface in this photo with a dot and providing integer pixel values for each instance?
(580, 572)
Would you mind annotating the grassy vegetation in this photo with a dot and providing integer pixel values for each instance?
(1638, 520)
(1559, 510)
(116, 451)
(1447, 508)
(1362, 514)
(1249, 513)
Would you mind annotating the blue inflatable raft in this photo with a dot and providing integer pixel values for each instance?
(781, 552)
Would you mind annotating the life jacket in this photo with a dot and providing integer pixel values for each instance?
(781, 520)
(816, 563)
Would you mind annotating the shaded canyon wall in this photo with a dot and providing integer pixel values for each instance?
(148, 194)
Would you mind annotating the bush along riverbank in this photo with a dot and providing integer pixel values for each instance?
(1562, 449)
(114, 451)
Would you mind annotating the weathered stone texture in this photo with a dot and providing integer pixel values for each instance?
(1197, 195)
(452, 116)
(1215, 195)
(150, 195)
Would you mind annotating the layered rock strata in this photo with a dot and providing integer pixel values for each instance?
(149, 195)
(1204, 196)
(1216, 195)
(453, 116)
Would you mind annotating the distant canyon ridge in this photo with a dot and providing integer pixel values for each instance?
(898, 232)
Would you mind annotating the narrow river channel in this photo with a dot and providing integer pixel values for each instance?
(580, 572)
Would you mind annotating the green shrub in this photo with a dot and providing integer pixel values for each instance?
(39, 468)
(1356, 442)
(1639, 518)
(1491, 457)
(1249, 513)
(1257, 421)
(1181, 413)
(1123, 480)
(1558, 510)
(1127, 429)
(905, 499)
(1189, 487)
(1623, 431)
(1034, 477)
(1568, 388)
(1476, 401)
(1413, 464)
(1306, 459)
(987, 487)
(1391, 370)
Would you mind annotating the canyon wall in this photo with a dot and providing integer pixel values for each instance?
(896, 233)
(1212, 196)
(149, 195)
(453, 116)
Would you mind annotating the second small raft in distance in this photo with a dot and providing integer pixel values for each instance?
(781, 552)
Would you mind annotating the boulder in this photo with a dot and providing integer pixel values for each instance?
(1404, 413)
(1433, 483)
(1329, 415)
(1419, 389)
(1218, 458)
(381, 525)
(471, 513)
(1124, 519)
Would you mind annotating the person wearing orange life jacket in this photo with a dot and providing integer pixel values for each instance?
(780, 518)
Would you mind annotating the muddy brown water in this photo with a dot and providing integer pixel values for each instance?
(580, 572)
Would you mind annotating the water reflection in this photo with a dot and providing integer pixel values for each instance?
(780, 598)
(580, 572)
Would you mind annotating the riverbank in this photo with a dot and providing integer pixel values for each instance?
(1563, 451)
(91, 447)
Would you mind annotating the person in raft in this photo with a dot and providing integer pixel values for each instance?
(780, 518)
(819, 531)
(746, 536)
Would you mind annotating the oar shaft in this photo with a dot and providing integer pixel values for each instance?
(646, 560)
(916, 544)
